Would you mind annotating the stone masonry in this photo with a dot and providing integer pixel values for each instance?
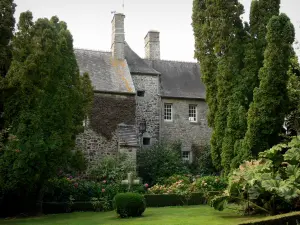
(147, 106)
(181, 129)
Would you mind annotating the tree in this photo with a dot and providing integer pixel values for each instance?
(293, 117)
(229, 37)
(244, 84)
(204, 53)
(269, 106)
(7, 24)
(47, 106)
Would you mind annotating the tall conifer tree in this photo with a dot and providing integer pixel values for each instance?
(254, 46)
(270, 99)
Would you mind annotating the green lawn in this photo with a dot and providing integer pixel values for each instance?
(203, 215)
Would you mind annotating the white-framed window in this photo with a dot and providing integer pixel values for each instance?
(192, 113)
(186, 155)
(168, 112)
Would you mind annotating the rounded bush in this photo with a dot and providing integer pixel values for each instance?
(129, 204)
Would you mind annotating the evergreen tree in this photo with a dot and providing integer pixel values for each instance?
(254, 46)
(269, 106)
(47, 106)
(204, 53)
(7, 24)
(229, 38)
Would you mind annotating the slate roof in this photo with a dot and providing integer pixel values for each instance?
(136, 64)
(127, 135)
(179, 79)
(107, 74)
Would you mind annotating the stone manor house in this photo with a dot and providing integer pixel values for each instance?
(139, 101)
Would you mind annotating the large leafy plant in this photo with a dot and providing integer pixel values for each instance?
(269, 184)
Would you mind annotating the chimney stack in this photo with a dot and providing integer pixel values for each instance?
(152, 45)
(118, 36)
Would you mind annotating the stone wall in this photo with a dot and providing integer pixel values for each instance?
(100, 136)
(148, 106)
(180, 128)
(96, 146)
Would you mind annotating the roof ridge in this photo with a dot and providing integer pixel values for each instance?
(92, 50)
(166, 60)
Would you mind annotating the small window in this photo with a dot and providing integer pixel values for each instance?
(192, 113)
(168, 112)
(186, 156)
(146, 141)
(141, 93)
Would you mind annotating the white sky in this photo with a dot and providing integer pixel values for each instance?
(90, 22)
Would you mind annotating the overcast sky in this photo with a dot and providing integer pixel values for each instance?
(90, 22)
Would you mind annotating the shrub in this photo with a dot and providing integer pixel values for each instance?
(160, 161)
(111, 169)
(163, 200)
(202, 161)
(270, 184)
(129, 204)
(173, 179)
(211, 184)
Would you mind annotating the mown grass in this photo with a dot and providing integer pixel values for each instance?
(191, 215)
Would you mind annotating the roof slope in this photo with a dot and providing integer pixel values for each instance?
(136, 64)
(179, 79)
(106, 73)
(127, 135)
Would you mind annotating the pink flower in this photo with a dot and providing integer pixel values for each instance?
(104, 182)
(70, 177)
(18, 150)
(76, 185)
(146, 185)
(103, 190)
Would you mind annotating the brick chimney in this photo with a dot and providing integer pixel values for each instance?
(152, 45)
(118, 36)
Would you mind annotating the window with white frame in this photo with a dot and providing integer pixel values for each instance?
(192, 113)
(186, 156)
(168, 112)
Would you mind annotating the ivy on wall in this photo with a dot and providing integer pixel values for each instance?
(111, 110)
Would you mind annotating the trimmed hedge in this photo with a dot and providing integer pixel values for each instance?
(288, 218)
(129, 204)
(174, 200)
(63, 207)
(151, 201)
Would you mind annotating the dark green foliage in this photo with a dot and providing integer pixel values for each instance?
(293, 117)
(218, 33)
(78, 162)
(163, 200)
(129, 204)
(267, 112)
(7, 25)
(109, 111)
(159, 162)
(202, 162)
(204, 53)
(46, 106)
